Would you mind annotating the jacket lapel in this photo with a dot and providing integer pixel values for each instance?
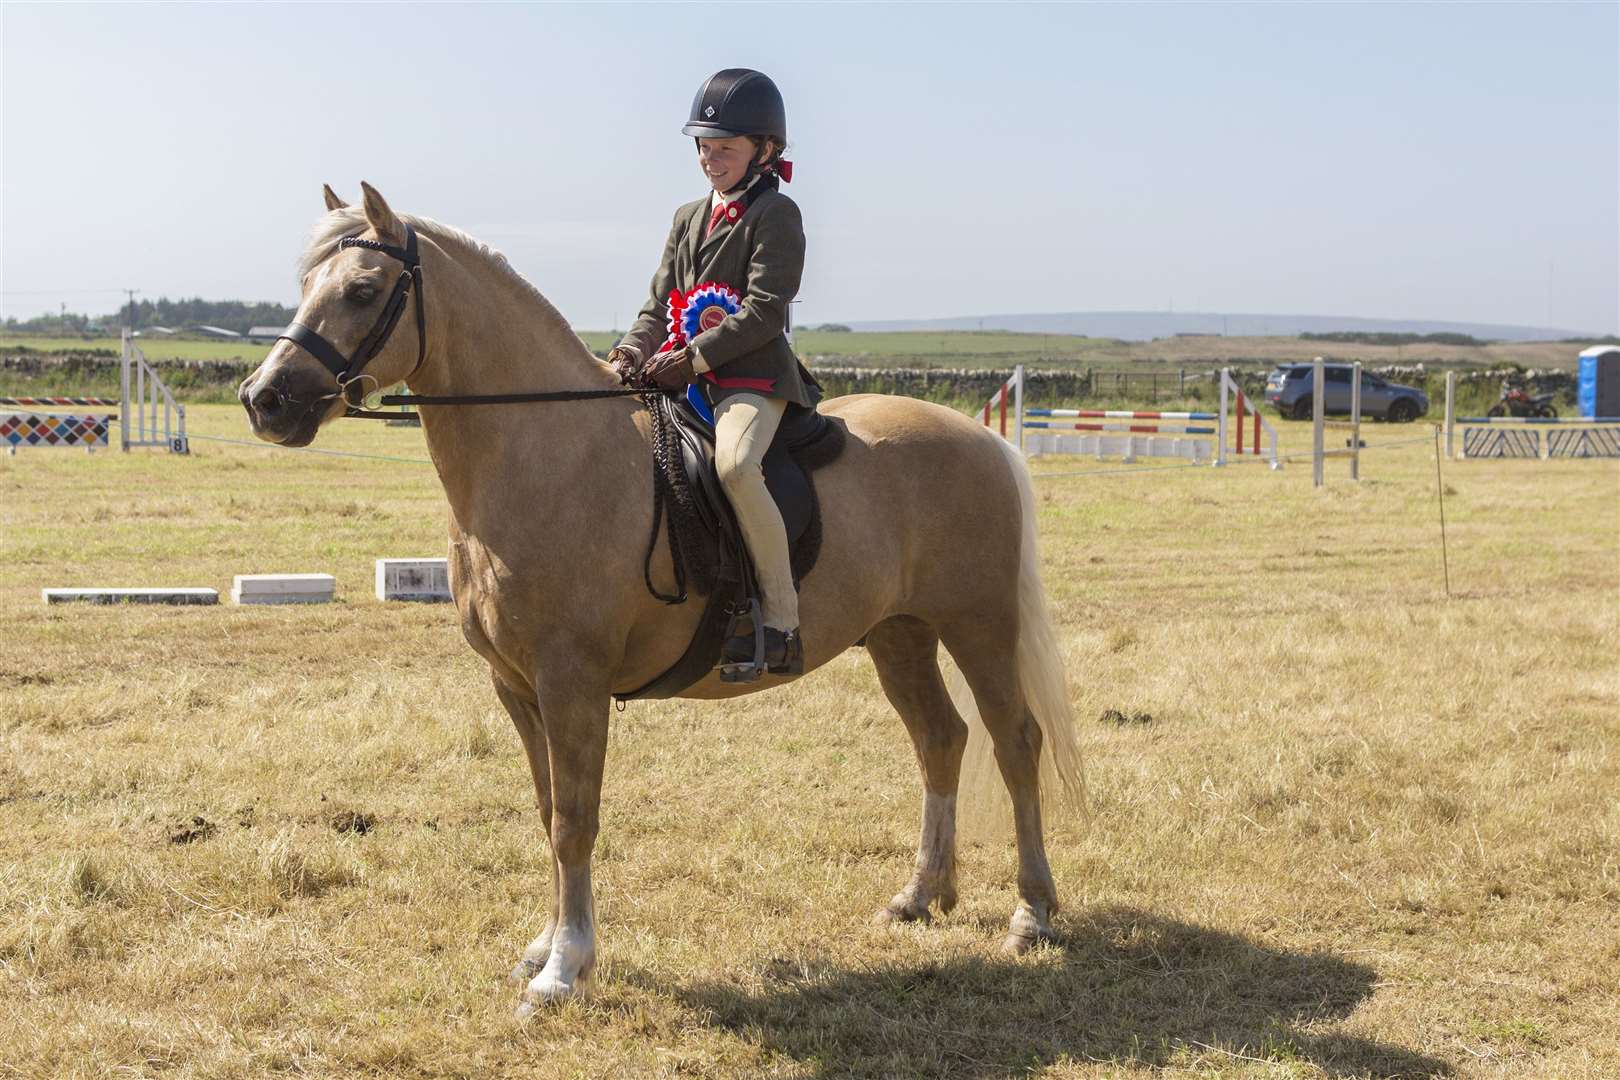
(724, 228)
(694, 234)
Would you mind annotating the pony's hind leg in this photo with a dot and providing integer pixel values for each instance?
(989, 663)
(526, 718)
(906, 653)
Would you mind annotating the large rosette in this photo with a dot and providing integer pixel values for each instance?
(700, 308)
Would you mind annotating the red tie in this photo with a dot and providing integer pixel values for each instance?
(714, 218)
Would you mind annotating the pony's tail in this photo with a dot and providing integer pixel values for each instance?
(1040, 677)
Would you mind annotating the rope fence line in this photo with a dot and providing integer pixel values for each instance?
(1123, 471)
(258, 445)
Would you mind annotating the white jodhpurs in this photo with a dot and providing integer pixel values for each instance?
(744, 425)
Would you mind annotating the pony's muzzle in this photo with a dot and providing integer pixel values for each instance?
(280, 408)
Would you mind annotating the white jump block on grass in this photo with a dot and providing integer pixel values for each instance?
(421, 580)
(283, 589)
(130, 596)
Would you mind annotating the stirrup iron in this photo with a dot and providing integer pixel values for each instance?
(752, 670)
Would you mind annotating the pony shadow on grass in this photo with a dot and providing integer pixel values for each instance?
(1124, 987)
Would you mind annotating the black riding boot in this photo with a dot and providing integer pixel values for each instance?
(784, 651)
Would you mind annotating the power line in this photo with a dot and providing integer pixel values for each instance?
(55, 292)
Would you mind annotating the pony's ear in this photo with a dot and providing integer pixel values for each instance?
(332, 200)
(380, 217)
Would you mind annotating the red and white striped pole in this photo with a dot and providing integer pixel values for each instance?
(1240, 423)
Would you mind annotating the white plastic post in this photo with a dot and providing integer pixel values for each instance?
(1318, 395)
(1220, 424)
(1355, 421)
(1018, 406)
(1451, 414)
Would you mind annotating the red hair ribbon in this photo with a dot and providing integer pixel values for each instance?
(784, 169)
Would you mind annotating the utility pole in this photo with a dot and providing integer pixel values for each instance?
(1549, 292)
(132, 293)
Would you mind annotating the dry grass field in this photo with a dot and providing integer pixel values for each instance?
(1350, 826)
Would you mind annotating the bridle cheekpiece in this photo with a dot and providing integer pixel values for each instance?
(348, 369)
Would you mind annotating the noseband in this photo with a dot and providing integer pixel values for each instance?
(347, 369)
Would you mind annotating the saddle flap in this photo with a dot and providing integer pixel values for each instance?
(785, 479)
(805, 440)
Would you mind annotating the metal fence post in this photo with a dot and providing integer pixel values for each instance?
(123, 392)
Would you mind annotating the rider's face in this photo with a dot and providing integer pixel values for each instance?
(725, 161)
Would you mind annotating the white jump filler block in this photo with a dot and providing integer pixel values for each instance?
(130, 596)
(283, 589)
(422, 580)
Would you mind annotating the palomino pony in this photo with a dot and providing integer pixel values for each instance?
(928, 538)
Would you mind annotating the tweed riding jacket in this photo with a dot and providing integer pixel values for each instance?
(761, 258)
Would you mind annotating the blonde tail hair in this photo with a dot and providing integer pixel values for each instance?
(1045, 691)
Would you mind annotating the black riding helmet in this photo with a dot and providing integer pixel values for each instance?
(737, 101)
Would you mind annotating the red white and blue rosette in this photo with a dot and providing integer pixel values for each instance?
(701, 308)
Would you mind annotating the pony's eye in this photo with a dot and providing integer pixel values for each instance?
(360, 294)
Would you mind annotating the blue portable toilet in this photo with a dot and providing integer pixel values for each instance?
(1597, 387)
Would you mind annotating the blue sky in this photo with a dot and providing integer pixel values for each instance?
(1455, 162)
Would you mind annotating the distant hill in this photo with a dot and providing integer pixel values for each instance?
(1148, 325)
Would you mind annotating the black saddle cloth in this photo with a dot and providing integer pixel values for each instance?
(716, 558)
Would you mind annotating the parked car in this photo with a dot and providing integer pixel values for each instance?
(1289, 389)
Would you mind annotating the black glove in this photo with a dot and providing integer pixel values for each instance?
(671, 370)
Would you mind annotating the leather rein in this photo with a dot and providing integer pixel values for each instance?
(349, 370)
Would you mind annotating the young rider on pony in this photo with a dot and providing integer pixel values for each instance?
(730, 267)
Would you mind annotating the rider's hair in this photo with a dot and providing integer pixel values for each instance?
(777, 148)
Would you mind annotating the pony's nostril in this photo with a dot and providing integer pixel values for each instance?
(266, 402)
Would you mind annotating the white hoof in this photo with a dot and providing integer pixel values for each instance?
(545, 991)
(904, 908)
(564, 976)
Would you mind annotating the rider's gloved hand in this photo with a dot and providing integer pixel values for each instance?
(672, 370)
(626, 364)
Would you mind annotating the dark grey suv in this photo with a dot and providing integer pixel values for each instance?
(1289, 388)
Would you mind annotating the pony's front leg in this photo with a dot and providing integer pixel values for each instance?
(576, 726)
(520, 705)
